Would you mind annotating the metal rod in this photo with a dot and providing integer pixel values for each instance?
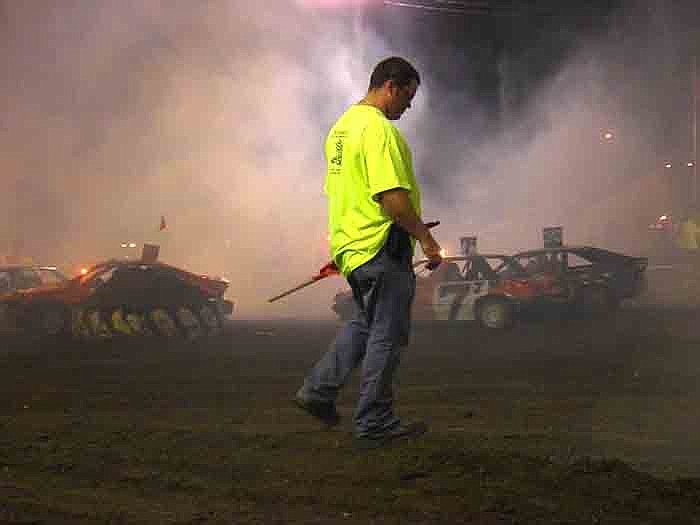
(295, 289)
(328, 270)
(695, 131)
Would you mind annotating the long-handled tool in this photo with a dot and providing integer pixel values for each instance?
(326, 271)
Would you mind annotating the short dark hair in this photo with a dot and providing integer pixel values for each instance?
(396, 69)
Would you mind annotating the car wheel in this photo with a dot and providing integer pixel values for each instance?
(138, 324)
(210, 321)
(52, 320)
(119, 323)
(79, 325)
(495, 314)
(189, 323)
(96, 324)
(594, 301)
(163, 322)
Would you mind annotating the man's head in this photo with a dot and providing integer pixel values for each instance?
(393, 85)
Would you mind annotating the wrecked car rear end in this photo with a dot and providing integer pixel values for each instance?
(121, 298)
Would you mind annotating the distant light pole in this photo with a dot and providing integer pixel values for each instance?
(695, 130)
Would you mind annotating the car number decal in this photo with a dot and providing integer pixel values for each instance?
(461, 295)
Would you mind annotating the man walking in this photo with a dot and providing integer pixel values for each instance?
(374, 217)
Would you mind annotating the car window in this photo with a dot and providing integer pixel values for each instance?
(506, 267)
(479, 268)
(51, 276)
(27, 278)
(543, 262)
(100, 277)
(576, 261)
(533, 264)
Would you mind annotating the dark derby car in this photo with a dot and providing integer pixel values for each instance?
(120, 298)
(586, 279)
(495, 289)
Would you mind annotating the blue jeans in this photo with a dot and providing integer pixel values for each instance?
(383, 289)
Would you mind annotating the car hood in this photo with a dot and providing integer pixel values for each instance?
(39, 292)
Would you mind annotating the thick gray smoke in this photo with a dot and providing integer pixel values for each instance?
(550, 162)
(213, 115)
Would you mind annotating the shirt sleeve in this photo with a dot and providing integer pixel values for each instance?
(386, 167)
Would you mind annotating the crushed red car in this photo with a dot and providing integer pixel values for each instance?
(120, 298)
(587, 279)
(487, 288)
(496, 289)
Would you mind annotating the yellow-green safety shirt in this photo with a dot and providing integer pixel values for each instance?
(366, 155)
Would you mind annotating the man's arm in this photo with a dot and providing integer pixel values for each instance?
(398, 206)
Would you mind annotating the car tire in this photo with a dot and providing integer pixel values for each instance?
(188, 323)
(163, 322)
(495, 314)
(51, 320)
(119, 323)
(209, 320)
(79, 325)
(138, 321)
(97, 324)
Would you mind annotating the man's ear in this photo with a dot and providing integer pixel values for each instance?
(390, 84)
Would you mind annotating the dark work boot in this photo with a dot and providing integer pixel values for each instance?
(372, 440)
(326, 413)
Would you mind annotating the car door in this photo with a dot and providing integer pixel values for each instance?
(454, 298)
(546, 272)
(126, 285)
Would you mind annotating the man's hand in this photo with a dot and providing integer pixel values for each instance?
(398, 206)
(431, 249)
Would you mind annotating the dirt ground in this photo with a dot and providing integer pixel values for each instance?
(565, 421)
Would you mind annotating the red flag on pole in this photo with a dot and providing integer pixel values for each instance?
(162, 223)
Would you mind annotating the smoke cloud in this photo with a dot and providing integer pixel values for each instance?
(213, 114)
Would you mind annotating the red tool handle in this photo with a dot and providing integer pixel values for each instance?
(326, 270)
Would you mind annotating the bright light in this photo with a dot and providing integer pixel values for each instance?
(132, 245)
(83, 271)
(124, 245)
(668, 165)
(663, 218)
(443, 252)
(691, 164)
(607, 136)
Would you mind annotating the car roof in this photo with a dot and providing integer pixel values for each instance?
(9, 267)
(449, 258)
(591, 252)
(557, 249)
(157, 264)
(126, 262)
(459, 258)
